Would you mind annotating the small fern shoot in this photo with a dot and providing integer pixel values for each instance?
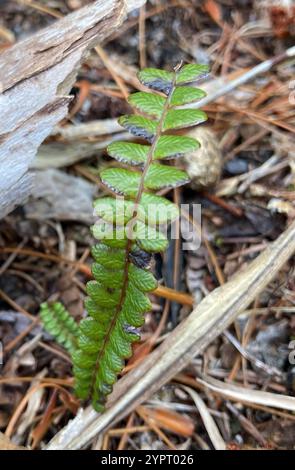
(129, 232)
(60, 324)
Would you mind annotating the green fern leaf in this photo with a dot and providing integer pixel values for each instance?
(113, 237)
(131, 229)
(107, 277)
(100, 355)
(186, 94)
(179, 118)
(119, 210)
(172, 146)
(127, 182)
(157, 79)
(148, 103)
(108, 257)
(164, 176)
(157, 209)
(169, 146)
(152, 210)
(141, 233)
(101, 296)
(190, 73)
(128, 152)
(136, 300)
(149, 238)
(121, 181)
(60, 324)
(139, 126)
(142, 279)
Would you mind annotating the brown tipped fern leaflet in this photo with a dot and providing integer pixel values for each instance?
(129, 229)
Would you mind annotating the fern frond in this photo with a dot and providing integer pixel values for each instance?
(60, 324)
(129, 229)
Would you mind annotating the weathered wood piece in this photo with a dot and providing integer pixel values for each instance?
(6, 444)
(36, 76)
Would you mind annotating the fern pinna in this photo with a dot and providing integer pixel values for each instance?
(130, 226)
(60, 324)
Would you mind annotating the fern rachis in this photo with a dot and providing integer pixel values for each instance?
(125, 279)
(117, 297)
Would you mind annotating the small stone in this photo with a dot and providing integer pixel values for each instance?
(203, 165)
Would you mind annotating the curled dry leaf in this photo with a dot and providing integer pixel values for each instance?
(171, 421)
